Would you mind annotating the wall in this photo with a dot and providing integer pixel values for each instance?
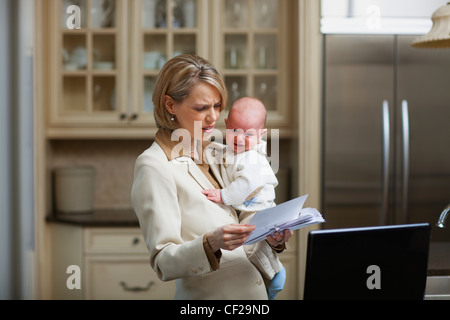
(113, 161)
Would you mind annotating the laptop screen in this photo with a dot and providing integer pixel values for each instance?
(386, 262)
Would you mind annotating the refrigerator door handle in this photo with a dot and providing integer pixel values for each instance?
(385, 175)
(405, 160)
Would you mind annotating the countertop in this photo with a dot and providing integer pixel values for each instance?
(98, 218)
(438, 261)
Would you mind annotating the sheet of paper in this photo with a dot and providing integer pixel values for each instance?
(287, 215)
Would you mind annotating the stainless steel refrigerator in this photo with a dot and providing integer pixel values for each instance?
(386, 141)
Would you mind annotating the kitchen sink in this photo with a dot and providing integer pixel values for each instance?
(438, 288)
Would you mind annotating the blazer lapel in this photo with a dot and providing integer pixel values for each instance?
(198, 175)
(195, 172)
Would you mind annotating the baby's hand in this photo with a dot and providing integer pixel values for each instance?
(214, 195)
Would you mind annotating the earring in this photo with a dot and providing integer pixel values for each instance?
(172, 118)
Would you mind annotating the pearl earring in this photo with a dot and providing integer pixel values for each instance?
(172, 118)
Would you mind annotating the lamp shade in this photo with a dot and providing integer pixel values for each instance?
(439, 35)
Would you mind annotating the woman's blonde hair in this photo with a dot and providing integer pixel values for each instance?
(177, 78)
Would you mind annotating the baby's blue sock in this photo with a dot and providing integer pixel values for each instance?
(277, 284)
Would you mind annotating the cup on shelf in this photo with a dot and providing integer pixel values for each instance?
(78, 57)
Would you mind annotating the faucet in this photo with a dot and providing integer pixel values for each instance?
(443, 217)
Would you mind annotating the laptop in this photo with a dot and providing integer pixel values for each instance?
(370, 263)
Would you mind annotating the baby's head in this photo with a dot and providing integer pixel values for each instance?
(246, 124)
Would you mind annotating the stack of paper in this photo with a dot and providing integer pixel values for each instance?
(288, 215)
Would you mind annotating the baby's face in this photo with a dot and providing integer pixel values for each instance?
(242, 135)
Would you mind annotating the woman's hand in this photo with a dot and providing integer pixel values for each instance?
(229, 237)
(279, 238)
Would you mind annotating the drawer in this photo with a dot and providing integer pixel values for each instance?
(114, 240)
(111, 278)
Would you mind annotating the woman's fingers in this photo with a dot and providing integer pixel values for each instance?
(238, 228)
(232, 236)
(279, 237)
(287, 235)
(235, 235)
(229, 237)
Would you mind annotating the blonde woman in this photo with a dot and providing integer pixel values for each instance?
(191, 240)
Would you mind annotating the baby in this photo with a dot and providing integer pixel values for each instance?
(249, 179)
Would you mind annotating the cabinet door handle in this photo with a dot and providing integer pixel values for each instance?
(123, 116)
(134, 116)
(136, 241)
(137, 288)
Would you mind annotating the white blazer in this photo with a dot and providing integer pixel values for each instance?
(174, 216)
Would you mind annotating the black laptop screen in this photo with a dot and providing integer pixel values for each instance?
(387, 262)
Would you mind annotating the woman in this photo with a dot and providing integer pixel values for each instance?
(191, 239)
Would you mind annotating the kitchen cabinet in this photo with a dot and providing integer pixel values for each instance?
(103, 72)
(106, 55)
(113, 264)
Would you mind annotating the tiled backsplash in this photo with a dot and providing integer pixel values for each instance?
(113, 161)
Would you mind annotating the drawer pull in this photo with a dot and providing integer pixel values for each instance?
(136, 289)
(136, 241)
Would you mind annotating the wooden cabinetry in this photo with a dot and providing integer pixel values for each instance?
(113, 262)
(105, 60)
(103, 72)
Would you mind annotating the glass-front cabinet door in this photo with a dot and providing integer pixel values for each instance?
(251, 59)
(90, 64)
(162, 29)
